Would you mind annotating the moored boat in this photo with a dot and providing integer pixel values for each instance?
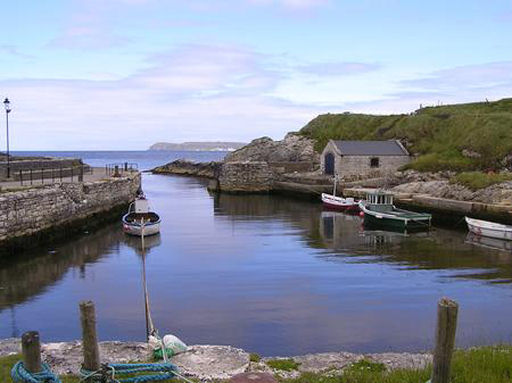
(379, 211)
(140, 220)
(332, 201)
(489, 229)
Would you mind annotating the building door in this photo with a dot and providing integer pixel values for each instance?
(329, 163)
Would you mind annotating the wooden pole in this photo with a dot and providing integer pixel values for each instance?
(31, 350)
(447, 310)
(89, 337)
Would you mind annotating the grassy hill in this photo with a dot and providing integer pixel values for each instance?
(436, 135)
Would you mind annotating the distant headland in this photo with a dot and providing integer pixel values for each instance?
(199, 146)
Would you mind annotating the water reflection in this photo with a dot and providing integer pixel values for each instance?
(30, 274)
(266, 273)
(489, 243)
(439, 249)
(135, 243)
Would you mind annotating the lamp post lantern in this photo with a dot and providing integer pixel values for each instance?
(8, 109)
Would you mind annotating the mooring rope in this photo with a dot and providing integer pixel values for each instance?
(20, 374)
(109, 372)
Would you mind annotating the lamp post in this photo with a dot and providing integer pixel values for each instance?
(8, 109)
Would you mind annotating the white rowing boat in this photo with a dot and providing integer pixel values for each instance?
(489, 229)
(140, 219)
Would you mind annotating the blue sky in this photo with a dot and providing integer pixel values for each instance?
(123, 74)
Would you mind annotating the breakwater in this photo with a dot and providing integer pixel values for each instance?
(54, 210)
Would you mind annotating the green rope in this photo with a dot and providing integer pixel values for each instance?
(108, 372)
(20, 374)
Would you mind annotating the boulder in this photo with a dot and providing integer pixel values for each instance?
(212, 362)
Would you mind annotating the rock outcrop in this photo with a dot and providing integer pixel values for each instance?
(500, 194)
(207, 363)
(190, 168)
(293, 148)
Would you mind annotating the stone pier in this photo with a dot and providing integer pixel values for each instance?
(53, 210)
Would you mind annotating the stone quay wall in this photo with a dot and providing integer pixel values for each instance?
(32, 211)
(246, 176)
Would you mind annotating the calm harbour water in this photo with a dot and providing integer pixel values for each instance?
(269, 274)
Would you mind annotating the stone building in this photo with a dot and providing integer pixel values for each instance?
(356, 159)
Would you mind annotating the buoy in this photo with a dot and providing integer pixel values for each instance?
(361, 214)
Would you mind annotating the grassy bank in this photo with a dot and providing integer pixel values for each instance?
(437, 135)
(484, 364)
(479, 180)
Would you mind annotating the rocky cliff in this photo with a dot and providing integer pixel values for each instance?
(293, 148)
(189, 168)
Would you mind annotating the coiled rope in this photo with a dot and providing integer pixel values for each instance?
(20, 374)
(109, 372)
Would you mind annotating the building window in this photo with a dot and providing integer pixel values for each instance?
(374, 162)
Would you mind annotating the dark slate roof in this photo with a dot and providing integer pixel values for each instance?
(370, 148)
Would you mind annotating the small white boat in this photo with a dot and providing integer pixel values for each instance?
(489, 229)
(339, 203)
(332, 201)
(140, 220)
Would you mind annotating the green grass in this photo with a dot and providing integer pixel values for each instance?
(480, 365)
(253, 357)
(478, 180)
(283, 364)
(366, 366)
(436, 135)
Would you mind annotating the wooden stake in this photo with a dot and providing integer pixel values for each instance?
(31, 350)
(447, 310)
(89, 337)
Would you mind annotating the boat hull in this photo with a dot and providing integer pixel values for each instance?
(134, 228)
(338, 203)
(372, 221)
(489, 229)
(388, 220)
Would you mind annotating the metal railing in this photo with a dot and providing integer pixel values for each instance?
(41, 175)
(118, 169)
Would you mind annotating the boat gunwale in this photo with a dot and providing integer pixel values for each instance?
(471, 222)
(414, 217)
(135, 223)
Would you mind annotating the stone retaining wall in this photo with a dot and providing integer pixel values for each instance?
(28, 212)
(254, 177)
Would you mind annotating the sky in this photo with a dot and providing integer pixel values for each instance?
(124, 74)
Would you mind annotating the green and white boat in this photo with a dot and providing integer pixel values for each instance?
(379, 211)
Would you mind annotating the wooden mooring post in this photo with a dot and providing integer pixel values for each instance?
(447, 311)
(31, 350)
(89, 338)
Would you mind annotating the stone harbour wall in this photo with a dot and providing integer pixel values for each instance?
(246, 176)
(28, 212)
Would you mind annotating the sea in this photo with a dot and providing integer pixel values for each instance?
(270, 274)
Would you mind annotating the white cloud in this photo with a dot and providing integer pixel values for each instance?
(193, 93)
